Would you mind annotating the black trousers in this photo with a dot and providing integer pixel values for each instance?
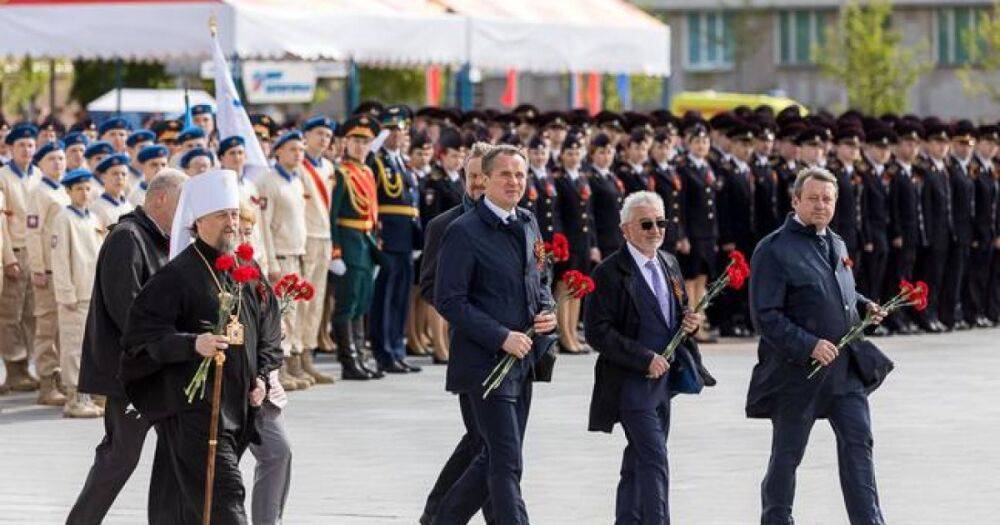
(976, 285)
(950, 309)
(114, 461)
(873, 268)
(900, 266)
(470, 446)
(390, 302)
(495, 473)
(930, 269)
(642, 497)
(177, 488)
(851, 421)
(993, 303)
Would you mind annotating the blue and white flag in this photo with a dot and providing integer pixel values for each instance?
(231, 117)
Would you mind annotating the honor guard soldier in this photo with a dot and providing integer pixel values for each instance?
(608, 193)
(631, 168)
(353, 215)
(196, 161)
(977, 292)
(847, 167)
(318, 180)
(875, 209)
(701, 215)
(670, 189)
(232, 156)
(577, 216)
(541, 196)
(76, 240)
(963, 198)
(112, 204)
(76, 144)
(115, 131)
(767, 198)
(444, 187)
(907, 229)
(736, 226)
(94, 154)
(135, 142)
(45, 202)
(152, 160)
(399, 233)
(283, 227)
(787, 164)
(18, 179)
(936, 205)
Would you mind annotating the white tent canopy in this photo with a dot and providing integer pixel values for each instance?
(135, 100)
(555, 36)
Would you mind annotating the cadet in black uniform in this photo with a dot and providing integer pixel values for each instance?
(935, 197)
(875, 216)
(963, 199)
(846, 166)
(608, 194)
(541, 196)
(767, 215)
(444, 188)
(907, 232)
(631, 167)
(736, 229)
(670, 188)
(977, 291)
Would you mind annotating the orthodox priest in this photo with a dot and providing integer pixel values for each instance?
(165, 340)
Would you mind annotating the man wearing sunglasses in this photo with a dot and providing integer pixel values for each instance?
(635, 310)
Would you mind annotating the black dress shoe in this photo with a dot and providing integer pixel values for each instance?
(394, 367)
(410, 368)
(961, 325)
(438, 361)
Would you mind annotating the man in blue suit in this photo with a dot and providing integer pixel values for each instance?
(634, 312)
(490, 289)
(803, 301)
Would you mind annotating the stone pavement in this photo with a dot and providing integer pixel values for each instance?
(367, 453)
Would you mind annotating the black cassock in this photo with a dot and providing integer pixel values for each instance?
(159, 361)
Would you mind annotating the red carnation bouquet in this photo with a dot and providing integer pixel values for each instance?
(558, 248)
(910, 294)
(735, 277)
(242, 270)
(290, 289)
(578, 286)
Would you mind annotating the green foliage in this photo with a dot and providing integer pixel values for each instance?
(393, 86)
(866, 55)
(983, 43)
(645, 89)
(23, 79)
(93, 78)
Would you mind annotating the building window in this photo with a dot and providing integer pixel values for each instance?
(798, 32)
(709, 41)
(955, 26)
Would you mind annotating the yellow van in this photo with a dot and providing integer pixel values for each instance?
(711, 102)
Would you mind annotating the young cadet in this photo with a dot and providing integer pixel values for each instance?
(196, 161)
(152, 160)
(112, 204)
(136, 142)
(44, 203)
(75, 144)
(76, 240)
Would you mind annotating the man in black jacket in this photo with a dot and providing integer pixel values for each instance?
(634, 312)
(803, 300)
(135, 249)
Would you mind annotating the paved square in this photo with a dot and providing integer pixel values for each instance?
(367, 453)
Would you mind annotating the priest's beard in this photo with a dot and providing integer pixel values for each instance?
(227, 241)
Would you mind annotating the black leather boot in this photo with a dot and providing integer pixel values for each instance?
(347, 353)
(359, 342)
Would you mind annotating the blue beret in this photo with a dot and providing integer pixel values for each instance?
(118, 159)
(191, 154)
(75, 138)
(200, 109)
(230, 142)
(99, 147)
(112, 123)
(20, 131)
(189, 133)
(291, 135)
(56, 145)
(142, 135)
(152, 152)
(316, 122)
(74, 176)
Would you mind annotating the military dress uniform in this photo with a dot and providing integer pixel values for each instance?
(670, 188)
(847, 216)
(318, 181)
(283, 228)
(608, 194)
(46, 202)
(963, 209)
(17, 302)
(736, 228)
(76, 241)
(701, 216)
(936, 217)
(634, 177)
(977, 287)
(767, 197)
(874, 229)
(353, 217)
(442, 192)
(576, 213)
(399, 233)
(542, 199)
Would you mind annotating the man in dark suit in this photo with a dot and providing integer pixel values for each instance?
(635, 310)
(490, 289)
(803, 300)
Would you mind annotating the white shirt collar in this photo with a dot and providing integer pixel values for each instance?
(573, 174)
(539, 172)
(640, 258)
(452, 175)
(504, 215)
(798, 220)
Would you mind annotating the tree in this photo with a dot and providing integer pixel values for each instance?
(22, 80)
(983, 43)
(392, 86)
(93, 78)
(866, 55)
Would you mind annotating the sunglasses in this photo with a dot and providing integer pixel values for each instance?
(648, 224)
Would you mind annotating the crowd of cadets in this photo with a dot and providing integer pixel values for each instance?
(918, 199)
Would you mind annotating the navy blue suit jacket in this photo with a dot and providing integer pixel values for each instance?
(487, 285)
(797, 297)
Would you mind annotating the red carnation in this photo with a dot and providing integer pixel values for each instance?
(246, 273)
(305, 291)
(738, 270)
(245, 251)
(225, 262)
(920, 291)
